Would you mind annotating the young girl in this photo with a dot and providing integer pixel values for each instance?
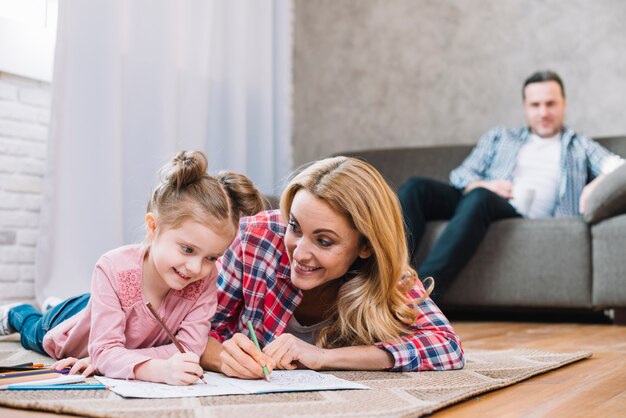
(191, 220)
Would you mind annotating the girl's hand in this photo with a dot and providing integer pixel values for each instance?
(240, 358)
(82, 366)
(290, 352)
(182, 369)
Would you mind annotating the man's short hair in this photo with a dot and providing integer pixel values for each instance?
(540, 77)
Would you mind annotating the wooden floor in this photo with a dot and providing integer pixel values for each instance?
(595, 387)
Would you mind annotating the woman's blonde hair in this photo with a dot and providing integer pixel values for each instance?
(371, 306)
(187, 191)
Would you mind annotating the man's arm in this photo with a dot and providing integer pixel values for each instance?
(601, 163)
(476, 165)
(503, 188)
(584, 196)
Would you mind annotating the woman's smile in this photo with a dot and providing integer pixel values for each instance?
(303, 269)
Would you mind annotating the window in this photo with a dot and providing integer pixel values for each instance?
(27, 37)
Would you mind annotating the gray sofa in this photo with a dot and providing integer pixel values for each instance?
(569, 263)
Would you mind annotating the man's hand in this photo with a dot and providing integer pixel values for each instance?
(584, 196)
(503, 188)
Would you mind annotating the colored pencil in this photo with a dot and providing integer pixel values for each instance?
(6, 381)
(87, 386)
(5, 369)
(256, 342)
(168, 332)
(26, 373)
(16, 367)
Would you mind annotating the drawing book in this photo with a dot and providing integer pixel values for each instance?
(218, 384)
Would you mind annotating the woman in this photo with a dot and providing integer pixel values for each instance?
(326, 285)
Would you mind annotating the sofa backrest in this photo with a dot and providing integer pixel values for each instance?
(398, 164)
(616, 144)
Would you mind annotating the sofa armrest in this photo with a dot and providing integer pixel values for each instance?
(608, 199)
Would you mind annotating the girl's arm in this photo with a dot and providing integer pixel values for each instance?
(180, 369)
(107, 342)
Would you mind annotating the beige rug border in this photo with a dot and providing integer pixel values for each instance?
(575, 356)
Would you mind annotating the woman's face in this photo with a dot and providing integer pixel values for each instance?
(321, 243)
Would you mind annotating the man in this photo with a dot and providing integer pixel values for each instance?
(542, 170)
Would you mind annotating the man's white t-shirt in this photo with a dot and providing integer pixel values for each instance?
(537, 176)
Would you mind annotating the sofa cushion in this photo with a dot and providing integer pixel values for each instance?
(522, 263)
(609, 263)
(608, 198)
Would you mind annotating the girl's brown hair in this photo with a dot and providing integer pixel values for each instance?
(187, 191)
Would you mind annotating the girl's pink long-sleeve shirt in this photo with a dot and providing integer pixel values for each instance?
(116, 328)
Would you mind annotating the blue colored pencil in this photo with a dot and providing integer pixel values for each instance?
(87, 386)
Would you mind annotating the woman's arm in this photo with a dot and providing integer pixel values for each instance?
(229, 293)
(357, 358)
(289, 352)
(433, 345)
(210, 359)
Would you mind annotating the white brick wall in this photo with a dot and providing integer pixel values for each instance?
(24, 119)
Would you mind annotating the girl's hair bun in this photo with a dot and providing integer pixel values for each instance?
(186, 168)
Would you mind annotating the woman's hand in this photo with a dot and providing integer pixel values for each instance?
(240, 358)
(290, 352)
(82, 365)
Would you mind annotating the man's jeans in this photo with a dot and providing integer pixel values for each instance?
(424, 199)
(33, 325)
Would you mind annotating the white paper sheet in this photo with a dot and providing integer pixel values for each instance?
(218, 384)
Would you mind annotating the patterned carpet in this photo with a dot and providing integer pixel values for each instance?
(391, 394)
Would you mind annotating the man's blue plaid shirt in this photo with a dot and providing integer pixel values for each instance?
(495, 156)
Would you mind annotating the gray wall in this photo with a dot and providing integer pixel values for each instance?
(385, 73)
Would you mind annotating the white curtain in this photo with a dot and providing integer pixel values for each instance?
(134, 82)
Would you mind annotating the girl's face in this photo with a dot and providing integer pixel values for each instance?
(185, 254)
(321, 243)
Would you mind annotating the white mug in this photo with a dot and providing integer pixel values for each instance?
(523, 199)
